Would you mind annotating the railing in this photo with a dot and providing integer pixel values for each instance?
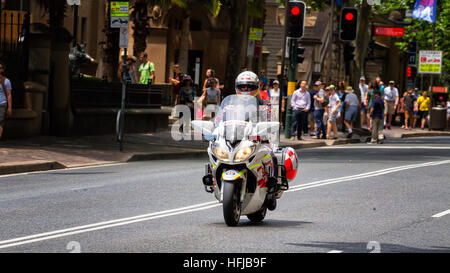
(97, 94)
(14, 28)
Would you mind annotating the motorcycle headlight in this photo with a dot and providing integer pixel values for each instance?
(243, 154)
(221, 153)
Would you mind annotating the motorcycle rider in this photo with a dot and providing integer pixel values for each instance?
(247, 83)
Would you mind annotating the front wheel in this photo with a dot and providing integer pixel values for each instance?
(231, 204)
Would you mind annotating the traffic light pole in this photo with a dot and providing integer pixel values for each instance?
(293, 44)
(330, 45)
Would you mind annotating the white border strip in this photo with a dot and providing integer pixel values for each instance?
(193, 208)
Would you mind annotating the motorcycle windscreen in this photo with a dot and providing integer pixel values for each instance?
(238, 108)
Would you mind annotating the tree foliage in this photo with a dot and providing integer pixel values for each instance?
(422, 31)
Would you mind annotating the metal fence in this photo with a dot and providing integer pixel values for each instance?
(14, 29)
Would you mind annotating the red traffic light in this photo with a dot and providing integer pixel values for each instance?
(349, 16)
(408, 72)
(295, 11)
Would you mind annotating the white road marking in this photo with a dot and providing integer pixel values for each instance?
(441, 214)
(104, 225)
(189, 209)
(364, 175)
(335, 251)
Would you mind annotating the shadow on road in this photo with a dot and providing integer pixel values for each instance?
(372, 247)
(268, 223)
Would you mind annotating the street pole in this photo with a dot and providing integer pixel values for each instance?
(291, 84)
(122, 107)
(75, 24)
(431, 80)
(283, 61)
(330, 45)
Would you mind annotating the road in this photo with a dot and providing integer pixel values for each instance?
(355, 198)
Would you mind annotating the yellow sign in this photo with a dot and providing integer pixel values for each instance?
(291, 88)
(430, 62)
(119, 8)
(256, 34)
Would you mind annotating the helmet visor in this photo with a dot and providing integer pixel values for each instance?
(246, 88)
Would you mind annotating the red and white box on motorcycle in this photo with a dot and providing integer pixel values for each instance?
(288, 158)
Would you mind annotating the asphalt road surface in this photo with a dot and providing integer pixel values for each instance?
(355, 198)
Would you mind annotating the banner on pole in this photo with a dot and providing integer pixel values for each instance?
(425, 10)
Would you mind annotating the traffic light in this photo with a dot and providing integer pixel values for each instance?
(348, 24)
(300, 52)
(295, 19)
(411, 72)
(348, 52)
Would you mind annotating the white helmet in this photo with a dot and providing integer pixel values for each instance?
(247, 83)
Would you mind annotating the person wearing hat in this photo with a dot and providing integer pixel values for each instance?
(320, 103)
(363, 90)
(131, 76)
(333, 111)
(274, 95)
(390, 103)
(351, 104)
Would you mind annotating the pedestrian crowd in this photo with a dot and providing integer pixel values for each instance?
(319, 111)
(323, 110)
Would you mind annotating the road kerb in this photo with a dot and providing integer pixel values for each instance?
(30, 166)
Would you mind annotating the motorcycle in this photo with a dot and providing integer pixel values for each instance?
(247, 171)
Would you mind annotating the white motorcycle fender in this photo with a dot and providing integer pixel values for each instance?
(229, 176)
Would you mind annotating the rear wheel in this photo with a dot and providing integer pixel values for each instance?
(231, 204)
(258, 216)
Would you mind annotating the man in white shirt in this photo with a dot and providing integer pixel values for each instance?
(363, 88)
(300, 103)
(333, 111)
(390, 103)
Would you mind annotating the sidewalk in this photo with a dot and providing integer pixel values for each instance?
(48, 152)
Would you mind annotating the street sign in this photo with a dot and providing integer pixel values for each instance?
(256, 34)
(439, 89)
(430, 62)
(389, 31)
(74, 2)
(119, 14)
(123, 40)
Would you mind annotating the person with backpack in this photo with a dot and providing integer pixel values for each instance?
(321, 101)
(5, 98)
(147, 70)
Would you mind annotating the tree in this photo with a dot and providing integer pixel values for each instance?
(238, 11)
(140, 19)
(108, 62)
(56, 10)
(422, 31)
